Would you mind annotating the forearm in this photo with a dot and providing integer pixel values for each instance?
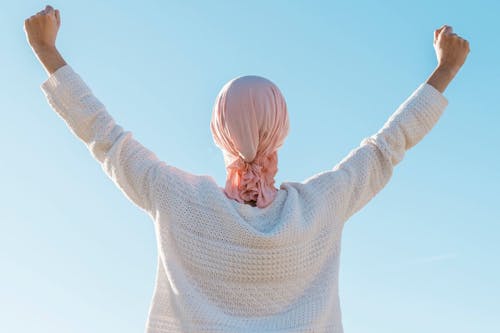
(441, 77)
(125, 160)
(50, 58)
(87, 117)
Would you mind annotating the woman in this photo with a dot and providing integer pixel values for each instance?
(247, 257)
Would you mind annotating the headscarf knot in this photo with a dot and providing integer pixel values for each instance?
(252, 181)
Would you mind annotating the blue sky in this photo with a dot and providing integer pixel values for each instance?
(422, 256)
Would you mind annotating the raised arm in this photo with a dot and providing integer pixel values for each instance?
(41, 30)
(356, 179)
(451, 52)
(132, 167)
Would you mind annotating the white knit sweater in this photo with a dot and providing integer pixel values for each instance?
(230, 267)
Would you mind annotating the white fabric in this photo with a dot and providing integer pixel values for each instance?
(224, 266)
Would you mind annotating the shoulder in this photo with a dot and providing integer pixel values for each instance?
(175, 186)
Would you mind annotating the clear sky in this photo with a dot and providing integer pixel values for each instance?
(422, 256)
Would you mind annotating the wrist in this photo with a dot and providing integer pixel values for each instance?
(43, 49)
(449, 70)
(441, 77)
(50, 58)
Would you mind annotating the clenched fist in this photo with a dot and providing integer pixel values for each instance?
(41, 28)
(451, 49)
(41, 31)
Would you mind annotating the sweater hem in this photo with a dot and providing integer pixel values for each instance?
(162, 326)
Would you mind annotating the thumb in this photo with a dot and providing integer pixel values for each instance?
(437, 32)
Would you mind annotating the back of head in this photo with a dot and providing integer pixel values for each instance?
(249, 123)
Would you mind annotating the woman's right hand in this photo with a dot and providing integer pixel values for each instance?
(41, 28)
(451, 49)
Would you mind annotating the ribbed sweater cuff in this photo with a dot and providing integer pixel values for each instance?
(431, 104)
(64, 81)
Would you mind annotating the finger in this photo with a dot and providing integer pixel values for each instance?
(49, 10)
(442, 28)
(438, 31)
(26, 23)
(448, 30)
(58, 17)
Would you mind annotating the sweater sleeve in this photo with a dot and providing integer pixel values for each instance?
(359, 176)
(131, 166)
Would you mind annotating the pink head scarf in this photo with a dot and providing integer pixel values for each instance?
(249, 123)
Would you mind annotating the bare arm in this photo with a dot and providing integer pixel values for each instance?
(41, 31)
(451, 52)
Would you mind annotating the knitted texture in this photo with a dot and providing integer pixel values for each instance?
(224, 266)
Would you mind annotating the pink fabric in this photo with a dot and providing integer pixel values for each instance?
(249, 123)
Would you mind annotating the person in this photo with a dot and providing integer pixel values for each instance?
(248, 257)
